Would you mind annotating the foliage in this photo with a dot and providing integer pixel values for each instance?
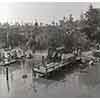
(69, 33)
(92, 22)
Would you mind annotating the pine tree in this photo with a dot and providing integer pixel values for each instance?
(91, 23)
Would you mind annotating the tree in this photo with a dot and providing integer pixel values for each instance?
(55, 36)
(92, 21)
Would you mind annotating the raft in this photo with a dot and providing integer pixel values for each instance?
(45, 69)
(6, 63)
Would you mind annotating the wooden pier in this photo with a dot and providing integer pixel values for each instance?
(46, 69)
(8, 63)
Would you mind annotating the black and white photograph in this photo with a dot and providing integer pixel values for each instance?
(49, 49)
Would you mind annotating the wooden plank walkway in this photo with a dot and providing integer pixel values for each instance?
(53, 66)
(7, 63)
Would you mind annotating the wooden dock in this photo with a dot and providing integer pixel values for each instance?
(7, 63)
(44, 70)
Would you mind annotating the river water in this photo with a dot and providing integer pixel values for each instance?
(67, 83)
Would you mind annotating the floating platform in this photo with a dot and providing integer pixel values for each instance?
(49, 67)
(44, 70)
(8, 62)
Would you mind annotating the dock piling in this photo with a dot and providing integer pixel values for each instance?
(7, 76)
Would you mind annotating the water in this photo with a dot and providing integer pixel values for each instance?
(69, 83)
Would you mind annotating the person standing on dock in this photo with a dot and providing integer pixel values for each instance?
(43, 61)
(75, 51)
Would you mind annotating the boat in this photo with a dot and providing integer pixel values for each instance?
(6, 62)
(6, 58)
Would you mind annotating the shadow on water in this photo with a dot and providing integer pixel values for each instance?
(90, 81)
(8, 85)
(92, 77)
(62, 72)
(7, 78)
(55, 80)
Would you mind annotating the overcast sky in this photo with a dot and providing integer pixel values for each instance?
(43, 12)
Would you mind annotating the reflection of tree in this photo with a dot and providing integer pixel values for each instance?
(11, 75)
(34, 86)
(45, 85)
(90, 79)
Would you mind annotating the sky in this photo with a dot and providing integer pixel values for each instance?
(42, 12)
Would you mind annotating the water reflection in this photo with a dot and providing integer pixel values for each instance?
(8, 86)
(92, 77)
(11, 76)
(69, 82)
(90, 80)
(34, 87)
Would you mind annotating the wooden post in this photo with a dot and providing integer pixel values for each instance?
(44, 65)
(33, 72)
(7, 78)
(8, 85)
(7, 75)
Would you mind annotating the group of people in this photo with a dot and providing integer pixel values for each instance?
(77, 51)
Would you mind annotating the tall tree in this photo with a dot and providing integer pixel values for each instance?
(91, 23)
